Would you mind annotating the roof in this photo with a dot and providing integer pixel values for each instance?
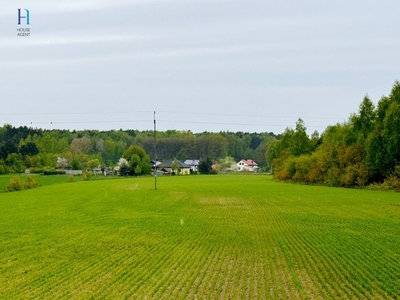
(250, 162)
(192, 162)
(157, 163)
(168, 164)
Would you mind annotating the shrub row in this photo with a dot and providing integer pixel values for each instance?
(313, 170)
(320, 168)
(16, 184)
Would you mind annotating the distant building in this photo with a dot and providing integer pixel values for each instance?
(73, 172)
(247, 165)
(155, 163)
(97, 171)
(160, 171)
(193, 163)
(183, 169)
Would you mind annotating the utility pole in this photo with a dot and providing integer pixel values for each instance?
(155, 152)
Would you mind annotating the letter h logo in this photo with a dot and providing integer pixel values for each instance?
(26, 17)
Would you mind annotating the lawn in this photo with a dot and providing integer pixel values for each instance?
(204, 237)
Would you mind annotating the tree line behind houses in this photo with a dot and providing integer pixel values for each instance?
(40, 150)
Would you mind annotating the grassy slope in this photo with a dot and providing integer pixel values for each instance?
(199, 236)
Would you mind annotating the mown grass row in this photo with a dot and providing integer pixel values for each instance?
(199, 237)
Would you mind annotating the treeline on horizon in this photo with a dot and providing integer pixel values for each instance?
(365, 150)
(38, 149)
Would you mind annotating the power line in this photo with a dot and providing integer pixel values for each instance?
(223, 123)
(165, 121)
(242, 115)
(74, 113)
(77, 122)
(167, 112)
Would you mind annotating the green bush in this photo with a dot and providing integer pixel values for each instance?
(30, 182)
(86, 176)
(213, 171)
(333, 174)
(392, 182)
(70, 178)
(290, 166)
(15, 184)
(396, 171)
(37, 170)
(303, 166)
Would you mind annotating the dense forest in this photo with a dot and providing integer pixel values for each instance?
(38, 150)
(364, 150)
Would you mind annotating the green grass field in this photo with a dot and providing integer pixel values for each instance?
(48, 180)
(199, 237)
(42, 180)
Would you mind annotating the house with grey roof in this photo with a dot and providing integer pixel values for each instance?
(182, 168)
(193, 163)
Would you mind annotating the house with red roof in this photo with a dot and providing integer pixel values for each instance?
(247, 165)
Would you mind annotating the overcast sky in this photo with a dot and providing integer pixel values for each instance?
(237, 65)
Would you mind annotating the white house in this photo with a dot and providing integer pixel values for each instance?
(247, 165)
